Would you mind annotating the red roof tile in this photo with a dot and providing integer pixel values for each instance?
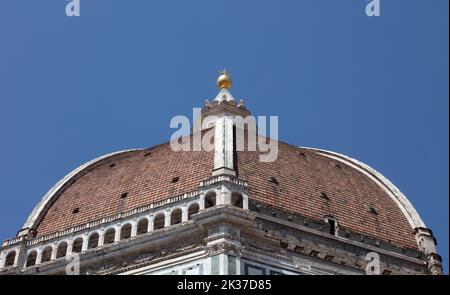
(146, 176)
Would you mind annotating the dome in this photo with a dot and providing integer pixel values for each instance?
(302, 181)
(289, 209)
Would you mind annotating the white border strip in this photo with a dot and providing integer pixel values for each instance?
(399, 198)
(40, 207)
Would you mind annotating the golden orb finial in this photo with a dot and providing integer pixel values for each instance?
(224, 80)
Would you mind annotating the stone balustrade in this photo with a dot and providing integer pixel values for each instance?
(122, 226)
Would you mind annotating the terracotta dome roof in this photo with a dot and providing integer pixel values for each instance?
(145, 176)
(308, 182)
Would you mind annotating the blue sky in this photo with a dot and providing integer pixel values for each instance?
(376, 89)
